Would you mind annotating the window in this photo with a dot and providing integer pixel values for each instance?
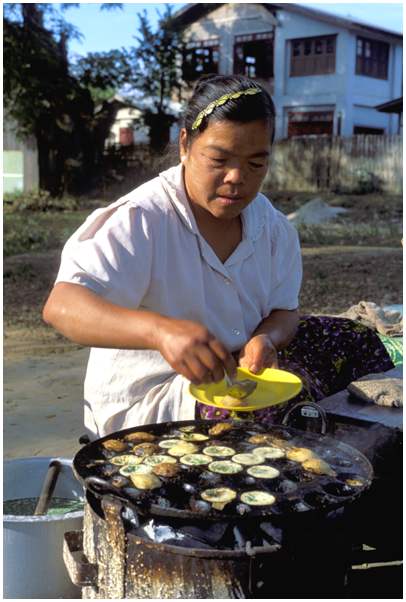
(253, 55)
(126, 136)
(310, 123)
(200, 58)
(13, 171)
(313, 56)
(372, 58)
(364, 130)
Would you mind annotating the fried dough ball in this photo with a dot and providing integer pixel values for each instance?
(259, 439)
(140, 436)
(165, 469)
(145, 481)
(228, 401)
(319, 466)
(220, 428)
(145, 449)
(114, 445)
(300, 454)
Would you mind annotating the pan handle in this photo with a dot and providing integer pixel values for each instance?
(100, 487)
(308, 409)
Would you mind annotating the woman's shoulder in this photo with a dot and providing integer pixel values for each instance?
(150, 196)
(276, 220)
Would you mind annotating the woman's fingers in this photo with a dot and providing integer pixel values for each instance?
(228, 363)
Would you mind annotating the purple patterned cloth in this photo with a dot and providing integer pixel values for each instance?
(327, 354)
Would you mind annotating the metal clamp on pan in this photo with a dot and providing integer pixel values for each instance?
(307, 413)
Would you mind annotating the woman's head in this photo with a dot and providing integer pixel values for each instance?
(225, 144)
(227, 97)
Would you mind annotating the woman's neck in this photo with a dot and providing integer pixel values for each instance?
(223, 235)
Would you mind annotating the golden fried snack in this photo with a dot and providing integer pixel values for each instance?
(228, 401)
(319, 466)
(220, 428)
(114, 445)
(145, 481)
(166, 469)
(145, 449)
(300, 454)
(259, 439)
(140, 436)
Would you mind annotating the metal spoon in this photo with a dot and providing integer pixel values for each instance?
(239, 388)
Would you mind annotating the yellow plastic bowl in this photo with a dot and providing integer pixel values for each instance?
(273, 387)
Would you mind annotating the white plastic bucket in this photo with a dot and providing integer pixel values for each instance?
(33, 565)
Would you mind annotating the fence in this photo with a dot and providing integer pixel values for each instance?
(354, 164)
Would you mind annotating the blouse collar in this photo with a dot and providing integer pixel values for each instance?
(253, 216)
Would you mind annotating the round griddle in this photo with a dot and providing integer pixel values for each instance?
(296, 490)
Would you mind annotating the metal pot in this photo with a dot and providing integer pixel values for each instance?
(33, 562)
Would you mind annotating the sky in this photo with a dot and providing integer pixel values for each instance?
(106, 30)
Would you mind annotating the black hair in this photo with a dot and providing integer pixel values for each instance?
(244, 109)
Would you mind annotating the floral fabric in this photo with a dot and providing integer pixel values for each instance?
(327, 353)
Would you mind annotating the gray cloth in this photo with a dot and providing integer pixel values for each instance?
(383, 388)
(387, 322)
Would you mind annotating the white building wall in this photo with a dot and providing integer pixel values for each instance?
(364, 93)
(225, 23)
(352, 97)
(316, 92)
(125, 119)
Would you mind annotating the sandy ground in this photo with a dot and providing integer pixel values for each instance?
(43, 404)
(44, 373)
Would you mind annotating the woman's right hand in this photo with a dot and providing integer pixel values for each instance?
(193, 351)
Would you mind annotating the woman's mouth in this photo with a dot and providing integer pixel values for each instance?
(229, 200)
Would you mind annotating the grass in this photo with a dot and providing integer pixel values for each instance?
(371, 220)
(31, 231)
(350, 234)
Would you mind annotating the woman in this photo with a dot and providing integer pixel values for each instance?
(187, 274)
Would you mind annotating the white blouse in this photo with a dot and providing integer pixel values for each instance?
(145, 251)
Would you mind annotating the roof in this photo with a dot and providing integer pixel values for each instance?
(118, 101)
(192, 12)
(392, 106)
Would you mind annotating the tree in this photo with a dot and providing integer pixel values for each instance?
(49, 100)
(156, 74)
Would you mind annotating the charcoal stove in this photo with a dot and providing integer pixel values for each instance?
(166, 543)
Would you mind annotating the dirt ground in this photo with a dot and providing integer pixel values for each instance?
(334, 278)
(43, 372)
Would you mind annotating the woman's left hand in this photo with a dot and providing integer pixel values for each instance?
(258, 353)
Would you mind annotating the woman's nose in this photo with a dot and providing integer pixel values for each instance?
(234, 176)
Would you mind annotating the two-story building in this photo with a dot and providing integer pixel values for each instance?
(326, 74)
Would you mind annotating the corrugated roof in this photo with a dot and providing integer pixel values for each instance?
(192, 12)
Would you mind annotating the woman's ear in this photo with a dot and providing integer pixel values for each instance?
(183, 145)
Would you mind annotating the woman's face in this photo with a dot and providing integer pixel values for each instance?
(225, 165)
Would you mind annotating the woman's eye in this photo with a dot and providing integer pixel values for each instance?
(218, 161)
(256, 165)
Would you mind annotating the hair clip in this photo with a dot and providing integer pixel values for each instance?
(221, 101)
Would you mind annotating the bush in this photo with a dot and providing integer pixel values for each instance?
(37, 200)
(24, 235)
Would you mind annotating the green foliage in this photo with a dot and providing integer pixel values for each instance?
(45, 98)
(23, 236)
(30, 231)
(38, 200)
(373, 233)
(103, 70)
(156, 73)
(367, 182)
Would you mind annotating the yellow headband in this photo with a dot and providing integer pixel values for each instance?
(221, 101)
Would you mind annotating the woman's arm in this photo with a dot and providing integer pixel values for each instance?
(275, 332)
(280, 326)
(88, 319)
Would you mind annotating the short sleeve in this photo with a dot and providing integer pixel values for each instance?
(111, 254)
(286, 265)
